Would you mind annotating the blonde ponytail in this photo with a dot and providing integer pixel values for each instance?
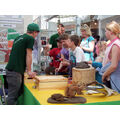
(114, 27)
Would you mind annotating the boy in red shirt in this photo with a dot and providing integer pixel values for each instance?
(55, 55)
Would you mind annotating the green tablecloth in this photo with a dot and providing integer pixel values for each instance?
(27, 98)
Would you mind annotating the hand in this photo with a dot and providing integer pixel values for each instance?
(81, 47)
(57, 69)
(47, 46)
(31, 74)
(104, 78)
(63, 63)
(89, 62)
(51, 58)
(65, 70)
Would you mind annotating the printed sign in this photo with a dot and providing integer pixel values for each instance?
(8, 25)
(6, 42)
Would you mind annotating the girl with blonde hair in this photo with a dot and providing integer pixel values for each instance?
(101, 45)
(87, 43)
(111, 61)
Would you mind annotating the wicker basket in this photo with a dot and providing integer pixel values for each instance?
(83, 76)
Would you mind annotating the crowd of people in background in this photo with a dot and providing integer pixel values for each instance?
(68, 50)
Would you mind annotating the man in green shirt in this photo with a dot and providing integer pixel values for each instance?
(53, 38)
(19, 61)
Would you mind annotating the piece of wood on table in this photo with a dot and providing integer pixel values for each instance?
(51, 82)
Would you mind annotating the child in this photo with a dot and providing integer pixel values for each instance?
(65, 50)
(76, 53)
(101, 46)
(101, 51)
(64, 55)
(55, 55)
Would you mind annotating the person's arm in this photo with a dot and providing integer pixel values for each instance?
(97, 64)
(65, 63)
(91, 47)
(29, 63)
(62, 57)
(114, 62)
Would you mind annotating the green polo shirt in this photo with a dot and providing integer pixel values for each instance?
(53, 41)
(17, 59)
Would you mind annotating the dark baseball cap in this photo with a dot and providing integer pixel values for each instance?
(33, 27)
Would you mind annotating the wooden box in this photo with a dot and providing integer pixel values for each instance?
(51, 82)
(83, 76)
